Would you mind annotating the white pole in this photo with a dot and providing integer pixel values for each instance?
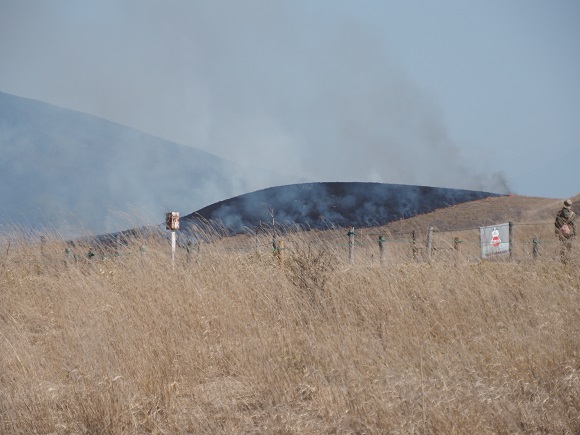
(173, 249)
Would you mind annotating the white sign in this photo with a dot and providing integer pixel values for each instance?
(495, 240)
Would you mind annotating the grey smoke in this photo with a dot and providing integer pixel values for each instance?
(75, 173)
(265, 84)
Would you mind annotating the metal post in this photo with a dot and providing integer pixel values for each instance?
(350, 235)
(511, 239)
(274, 241)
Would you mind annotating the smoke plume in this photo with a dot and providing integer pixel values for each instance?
(270, 85)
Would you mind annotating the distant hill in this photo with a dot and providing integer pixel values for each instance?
(387, 208)
(324, 205)
(73, 172)
(492, 210)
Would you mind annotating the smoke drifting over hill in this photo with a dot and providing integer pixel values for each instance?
(260, 83)
(324, 205)
(72, 172)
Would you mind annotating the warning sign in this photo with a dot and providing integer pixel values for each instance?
(494, 240)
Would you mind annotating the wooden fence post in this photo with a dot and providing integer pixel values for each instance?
(429, 243)
(188, 248)
(66, 257)
(199, 243)
(42, 245)
(91, 255)
(414, 245)
(382, 249)
(350, 235)
(280, 253)
(511, 239)
(457, 244)
(536, 247)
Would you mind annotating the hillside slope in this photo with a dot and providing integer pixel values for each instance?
(487, 211)
(61, 168)
(326, 205)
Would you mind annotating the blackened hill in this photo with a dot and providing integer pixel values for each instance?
(338, 204)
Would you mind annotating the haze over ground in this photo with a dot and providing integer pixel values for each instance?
(452, 94)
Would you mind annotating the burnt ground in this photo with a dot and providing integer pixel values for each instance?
(330, 204)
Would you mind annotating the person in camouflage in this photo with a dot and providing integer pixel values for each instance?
(565, 218)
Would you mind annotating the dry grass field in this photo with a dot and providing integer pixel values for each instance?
(229, 339)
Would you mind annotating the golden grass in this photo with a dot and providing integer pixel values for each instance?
(228, 341)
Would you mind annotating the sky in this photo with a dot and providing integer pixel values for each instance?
(461, 94)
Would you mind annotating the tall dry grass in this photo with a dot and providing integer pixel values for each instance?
(228, 340)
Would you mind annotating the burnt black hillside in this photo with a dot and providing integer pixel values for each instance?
(323, 205)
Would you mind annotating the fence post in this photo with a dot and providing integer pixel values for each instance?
(117, 244)
(172, 223)
(536, 247)
(91, 256)
(199, 243)
(382, 249)
(188, 248)
(350, 235)
(280, 253)
(42, 246)
(274, 242)
(66, 257)
(429, 243)
(511, 238)
(414, 245)
(457, 244)
(173, 244)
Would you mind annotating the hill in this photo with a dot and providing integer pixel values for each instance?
(326, 205)
(67, 170)
(487, 211)
(532, 217)
(389, 208)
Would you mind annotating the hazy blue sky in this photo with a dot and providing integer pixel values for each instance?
(445, 93)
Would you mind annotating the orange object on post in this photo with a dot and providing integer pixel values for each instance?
(172, 220)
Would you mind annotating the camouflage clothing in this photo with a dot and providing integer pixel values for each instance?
(565, 216)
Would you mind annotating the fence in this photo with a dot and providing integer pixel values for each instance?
(529, 241)
(369, 247)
